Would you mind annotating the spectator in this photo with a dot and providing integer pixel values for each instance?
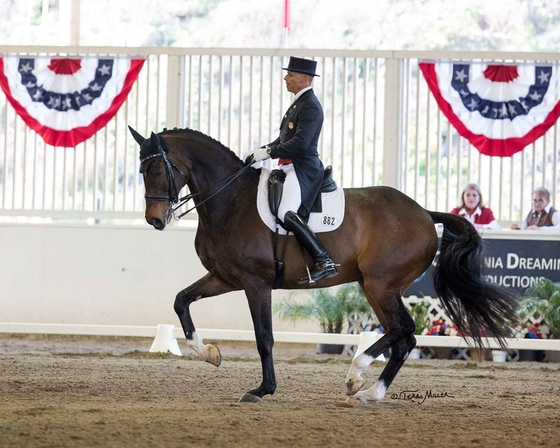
(473, 210)
(543, 216)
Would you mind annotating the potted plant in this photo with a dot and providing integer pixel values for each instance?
(542, 301)
(419, 312)
(330, 306)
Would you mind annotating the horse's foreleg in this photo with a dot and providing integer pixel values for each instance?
(207, 286)
(261, 313)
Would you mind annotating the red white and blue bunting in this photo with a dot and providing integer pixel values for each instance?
(67, 100)
(499, 109)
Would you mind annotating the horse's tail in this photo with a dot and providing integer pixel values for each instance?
(478, 307)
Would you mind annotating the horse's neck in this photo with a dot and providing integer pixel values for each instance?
(209, 168)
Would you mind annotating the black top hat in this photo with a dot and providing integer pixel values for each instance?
(300, 65)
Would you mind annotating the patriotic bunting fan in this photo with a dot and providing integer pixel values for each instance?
(66, 101)
(500, 109)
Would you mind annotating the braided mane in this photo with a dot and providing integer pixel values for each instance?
(202, 136)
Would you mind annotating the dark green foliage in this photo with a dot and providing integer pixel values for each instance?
(331, 307)
(543, 301)
(419, 312)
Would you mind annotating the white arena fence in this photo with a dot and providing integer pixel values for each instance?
(247, 335)
(382, 127)
(351, 338)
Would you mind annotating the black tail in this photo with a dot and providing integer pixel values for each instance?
(478, 307)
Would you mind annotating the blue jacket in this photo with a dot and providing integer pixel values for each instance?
(299, 136)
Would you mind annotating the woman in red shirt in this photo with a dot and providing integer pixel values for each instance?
(472, 209)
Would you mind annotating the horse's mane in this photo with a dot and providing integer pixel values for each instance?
(202, 136)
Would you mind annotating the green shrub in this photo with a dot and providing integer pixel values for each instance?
(543, 301)
(330, 306)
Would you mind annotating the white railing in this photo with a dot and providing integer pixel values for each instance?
(382, 126)
(279, 336)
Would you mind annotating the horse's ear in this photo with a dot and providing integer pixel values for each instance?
(154, 140)
(139, 139)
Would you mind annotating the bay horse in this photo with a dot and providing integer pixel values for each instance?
(385, 242)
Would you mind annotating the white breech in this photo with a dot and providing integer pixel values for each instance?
(291, 194)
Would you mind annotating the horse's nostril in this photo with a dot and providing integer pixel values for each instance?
(157, 223)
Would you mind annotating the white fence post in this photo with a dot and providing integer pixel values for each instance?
(175, 107)
(392, 128)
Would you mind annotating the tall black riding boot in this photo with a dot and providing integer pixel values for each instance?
(324, 266)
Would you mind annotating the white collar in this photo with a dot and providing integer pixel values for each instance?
(301, 92)
(464, 212)
(546, 209)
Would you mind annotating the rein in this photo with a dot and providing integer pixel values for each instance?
(223, 184)
(172, 194)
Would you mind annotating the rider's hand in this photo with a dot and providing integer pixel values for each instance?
(257, 155)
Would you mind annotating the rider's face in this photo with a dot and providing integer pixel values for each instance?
(296, 81)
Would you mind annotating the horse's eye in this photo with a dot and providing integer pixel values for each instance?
(155, 171)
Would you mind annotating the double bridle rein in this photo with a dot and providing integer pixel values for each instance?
(173, 195)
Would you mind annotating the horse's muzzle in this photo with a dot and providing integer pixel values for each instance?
(158, 214)
(157, 224)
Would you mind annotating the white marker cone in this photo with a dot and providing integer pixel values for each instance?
(367, 339)
(164, 341)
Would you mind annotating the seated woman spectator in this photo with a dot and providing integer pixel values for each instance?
(543, 216)
(472, 209)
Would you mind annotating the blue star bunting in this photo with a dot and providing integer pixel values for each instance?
(501, 110)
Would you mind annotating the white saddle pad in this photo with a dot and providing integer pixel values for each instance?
(329, 219)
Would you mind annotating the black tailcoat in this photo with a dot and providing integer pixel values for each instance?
(299, 136)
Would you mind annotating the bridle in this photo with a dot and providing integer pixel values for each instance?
(173, 195)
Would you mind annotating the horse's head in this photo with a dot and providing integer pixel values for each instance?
(162, 188)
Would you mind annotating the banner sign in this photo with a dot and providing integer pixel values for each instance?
(514, 264)
(499, 109)
(67, 100)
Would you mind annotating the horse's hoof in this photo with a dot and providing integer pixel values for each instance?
(353, 401)
(213, 355)
(353, 386)
(250, 398)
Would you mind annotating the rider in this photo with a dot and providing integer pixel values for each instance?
(296, 151)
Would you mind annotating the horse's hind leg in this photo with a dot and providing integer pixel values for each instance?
(399, 338)
(207, 286)
(399, 352)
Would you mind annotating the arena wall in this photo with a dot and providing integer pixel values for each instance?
(109, 275)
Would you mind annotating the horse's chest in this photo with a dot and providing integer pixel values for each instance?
(215, 258)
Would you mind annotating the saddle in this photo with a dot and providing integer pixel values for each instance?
(276, 187)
